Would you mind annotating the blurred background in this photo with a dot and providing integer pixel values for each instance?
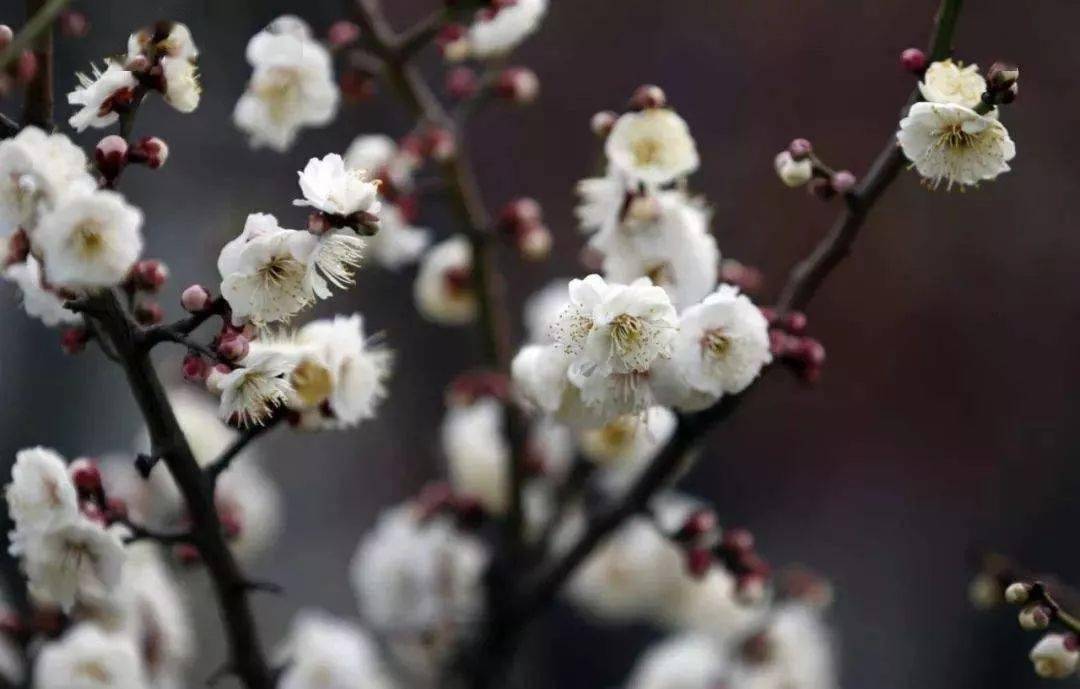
(943, 424)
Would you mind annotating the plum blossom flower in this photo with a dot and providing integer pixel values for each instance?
(477, 453)
(324, 652)
(36, 169)
(41, 496)
(622, 448)
(292, 85)
(950, 82)
(80, 560)
(652, 146)
(37, 301)
(443, 290)
(688, 661)
(497, 32)
(98, 96)
(90, 240)
(251, 393)
(953, 144)
(397, 243)
(87, 657)
(1055, 656)
(794, 649)
(182, 86)
(331, 187)
(721, 346)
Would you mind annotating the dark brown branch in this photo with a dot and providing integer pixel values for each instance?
(142, 533)
(246, 437)
(168, 443)
(38, 104)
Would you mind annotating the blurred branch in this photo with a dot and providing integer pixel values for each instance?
(40, 16)
(37, 35)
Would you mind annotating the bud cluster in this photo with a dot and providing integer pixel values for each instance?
(521, 221)
(789, 343)
(143, 282)
(797, 166)
(705, 544)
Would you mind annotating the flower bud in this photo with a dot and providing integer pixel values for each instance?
(86, 476)
(73, 340)
(6, 36)
(648, 96)
(1001, 76)
(1055, 656)
(26, 67)
(234, 348)
(534, 241)
(984, 592)
(440, 144)
(738, 540)
(699, 523)
(602, 123)
(1018, 593)
(151, 151)
(793, 173)
(913, 60)
(195, 299)
(73, 23)
(800, 148)
(1035, 616)
(462, 83)
(519, 211)
(453, 43)
(110, 156)
(519, 85)
(213, 378)
(150, 274)
(356, 85)
(195, 368)
(698, 562)
(342, 33)
(842, 182)
(149, 312)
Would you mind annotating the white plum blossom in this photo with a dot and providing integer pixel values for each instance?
(653, 146)
(254, 390)
(331, 187)
(443, 290)
(87, 657)
(950, 82)
(379, 155)
(90, 241)
(37, 301)
(41, 496)
(477, 453)
(624, 446)
(496, 33)
(36, 169)
(292, 85)
(953, 144)
(182, 87)
(689, 661)
(397, 243)
(793, 173)
(418, 575)
(338, 378)
(1055, 656)
(540, 380)
(81, 560)
(266, 272)
(95, 93)
(721, 346)
(794, 651)
(600, 200)
(712, 605)
(324, 652)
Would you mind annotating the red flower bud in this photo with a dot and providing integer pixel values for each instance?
(195, 298)
(800, 148)
(151, 151)
(462, 83)
(602, 122)
(913, 60)
(73, 340)
(698, 562)
(519, 85)
(110, 156)
(149, 312)
(234, 348)
(150, 274)
(86, 476)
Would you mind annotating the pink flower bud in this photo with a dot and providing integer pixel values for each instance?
(149, 312)
(342, 33)
(519, 85)
(738, 540)
(73, 340)
(195, 299)
(6, 36)
(110, 156)
(602, 122)
(648, 96)
(518, 212)
(234, 348)
(86, 476)
(534, 241)
(843, 182)
(462, 83)
(795, 321)
(73, 23)
(913, 60)
(151, 151)
(700, 522)
(440, 144)
(195, 368)
(150, 274)
(26, 67)
(800, 148)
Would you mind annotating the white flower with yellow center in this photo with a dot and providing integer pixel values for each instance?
(81, 560)
(252, 392)
(653, 146)
(267, 272)
(41, 496)
(89, 240)
(443, 290)
(332, 188)
(87, 657)
(324, 652)
(36, 169)
(492, 35)
(95, 93)
(952, 144)
(949, 82)
(292, 85)
(37, 301)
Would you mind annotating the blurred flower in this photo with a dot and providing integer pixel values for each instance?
(41, 496)
(477, 453)
(498, 31)
(652, 146)
(443, 290)
(323, 652)
(88, 658)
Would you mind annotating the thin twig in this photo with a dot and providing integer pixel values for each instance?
(420, 35)
(38, 104)
(225, 459)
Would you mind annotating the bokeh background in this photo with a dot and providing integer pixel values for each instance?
(945, 422)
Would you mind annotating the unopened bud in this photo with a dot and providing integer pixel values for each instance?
(913, 60)
(73, 23)
(800, 148)
(534, 241)
(342, 33)
(86, 476)
(648, 96)
(195, 368)
(150, 274)
(234, 348)
(440, 145)
(519, 85)
(151, 151)
(110, 156)
(195, 299)
(1017, 593)
(149, 312)
(602, 123)
(1034, 617)
(792, 172)
(1009, 95)
(1055, 656)
(842, 182)
(462, 83)
(73, 340)
(6, 36)
(700, 522)
(738, 540)
(519, 211)
(1001, 76)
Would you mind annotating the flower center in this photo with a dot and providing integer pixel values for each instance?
(88, 239)
(646, 151)
(312, 382)
(954, 136)
(715, 343)
(279, 91)
(279, 270)
(627, 332)
(93, 671)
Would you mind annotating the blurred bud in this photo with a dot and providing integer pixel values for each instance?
(1034, 617)
(534, 241)
(73, 340)
(6, 36)
(453, 43)
(150, 151)
(602, 122)
(698, 562)
(150, 274)
(195, 368)
(913, 60)
(356, 85)
(86, 476)
(518, 212)
(700, 523)
(984, 592)
(195, 299)
(1002, 76)
(110, 156)
(648, 96)
(439, 143)
(794, 321)
(750, 588)
(800, 148)
(462, 83)
(26, 67)
(319, 223)
(738, 540)
(342, 33)
(73, 23)
(234, 348)
(793, 173)
(842, 182)
(149, 312)
(1018, 593)
(519, 85)
(1055, 656)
